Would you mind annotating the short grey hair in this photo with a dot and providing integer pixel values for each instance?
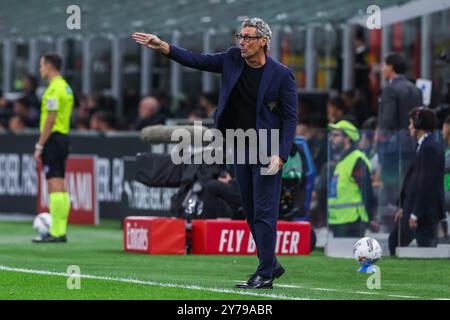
(262, 29)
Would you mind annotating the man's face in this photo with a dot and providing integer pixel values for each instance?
(27, 85)
(412, 130)
(148, 107)
(44, 68)
(94, 123)
(337, 141)
(333, 113)
(16, 125)
(446, 131)
(20, 109)
(253, 46)
(203, 103)
(387, 71)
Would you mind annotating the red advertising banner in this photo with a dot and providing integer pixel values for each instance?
(234, 237)
(82, 187)
(153, 235)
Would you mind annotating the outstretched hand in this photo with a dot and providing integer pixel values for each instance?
(147, 39)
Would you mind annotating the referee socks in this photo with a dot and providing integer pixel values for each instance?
(59, 210)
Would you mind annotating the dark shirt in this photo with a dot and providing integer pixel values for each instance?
(157, 118)
(242, 101)
(398, 98)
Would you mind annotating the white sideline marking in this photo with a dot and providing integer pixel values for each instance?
(296, 286)
(401, 296)
(302, 287)
(344, 291)
(150, 283)
(365, 292)
(324, 289)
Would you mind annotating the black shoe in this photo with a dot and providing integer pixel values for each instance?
(256, 282)
(278, 271)
(47, 238)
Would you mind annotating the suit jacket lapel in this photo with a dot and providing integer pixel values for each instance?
(236, 74)
(414, 160)
(267, 76)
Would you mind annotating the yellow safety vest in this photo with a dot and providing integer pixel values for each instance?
(345, 202)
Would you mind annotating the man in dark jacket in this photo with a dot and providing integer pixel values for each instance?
(395, 147)
(257, 93)
(398, 97)
(422, 195)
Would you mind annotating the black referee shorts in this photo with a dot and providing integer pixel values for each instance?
(54, 155)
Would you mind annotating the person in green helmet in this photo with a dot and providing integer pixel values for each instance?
(351, 200)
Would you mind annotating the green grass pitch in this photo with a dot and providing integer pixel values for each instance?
(38, 271)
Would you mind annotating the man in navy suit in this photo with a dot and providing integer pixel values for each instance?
(256, 93)
(421, 199)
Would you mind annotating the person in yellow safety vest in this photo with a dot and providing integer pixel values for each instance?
(351, 201)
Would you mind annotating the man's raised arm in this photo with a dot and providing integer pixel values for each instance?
(205, 62)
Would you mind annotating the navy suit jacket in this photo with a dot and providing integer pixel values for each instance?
(423, 189)
(277, 100)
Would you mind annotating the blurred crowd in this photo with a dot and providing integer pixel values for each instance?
(21, 110)
(98, 112)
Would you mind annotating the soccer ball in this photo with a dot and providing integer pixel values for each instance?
(42, 223)
(367, 251)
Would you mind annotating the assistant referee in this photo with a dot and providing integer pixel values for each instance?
(52, 148)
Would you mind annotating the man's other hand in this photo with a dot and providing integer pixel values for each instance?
(37, 155)
(398, 215)
(275, 164)
(226, 179)
(374, 226)
(412, 223)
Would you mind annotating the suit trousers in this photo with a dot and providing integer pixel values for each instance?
(260, 196)
(425, 235)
